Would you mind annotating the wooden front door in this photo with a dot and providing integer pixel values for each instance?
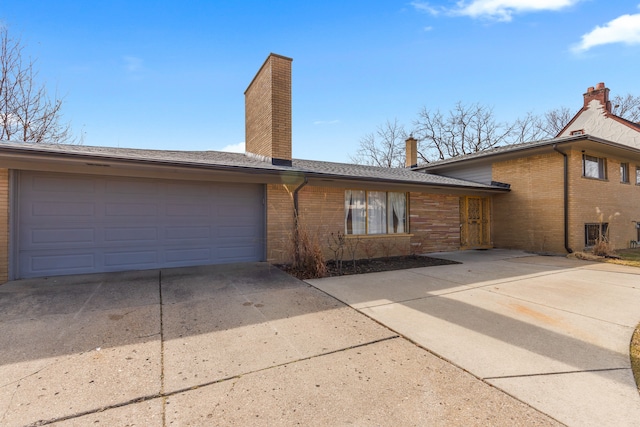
(475, 222)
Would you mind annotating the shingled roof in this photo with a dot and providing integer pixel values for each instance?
(217, 160)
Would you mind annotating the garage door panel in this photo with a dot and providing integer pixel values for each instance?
(60, 184)
(110, 224)
(175, 209)
(47, 264)
(131, 234)
(131, 209)
(139, 258)
(127, 186)
(186, 190)
(235, 253)
(202, 254)
(188, 233)
(61, 236)
(61, 209)
(235, 232)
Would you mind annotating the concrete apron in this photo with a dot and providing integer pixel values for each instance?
(550, 331)
(240, 344)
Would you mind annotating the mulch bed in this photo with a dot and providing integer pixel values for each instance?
(374, 265)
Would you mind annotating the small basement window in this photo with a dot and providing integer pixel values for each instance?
(595, 232)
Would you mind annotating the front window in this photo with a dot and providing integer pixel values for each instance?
(637, 175)
(594, 233)
(375, 212)
(594, 167)
(624, 173)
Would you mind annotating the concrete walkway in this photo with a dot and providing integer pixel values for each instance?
(236, 345)
(550, 331)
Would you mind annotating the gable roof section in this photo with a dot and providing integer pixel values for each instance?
(607, 114)
(230, 162)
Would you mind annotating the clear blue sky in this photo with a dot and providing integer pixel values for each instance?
(171, 75)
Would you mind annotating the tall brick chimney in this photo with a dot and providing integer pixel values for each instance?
(412, 152)
(267, 106)
(601, 94)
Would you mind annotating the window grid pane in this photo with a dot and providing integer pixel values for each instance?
(624, 173)
(375, 212)
(593, 167)
(355, 212)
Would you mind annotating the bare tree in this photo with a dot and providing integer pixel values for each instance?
(384, 148)
(27, 114)
(465, 129)
(627, 107)
(471, 128)
(553, 121)
(528, 128)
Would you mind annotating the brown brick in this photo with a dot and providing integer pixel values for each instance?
(268, 110)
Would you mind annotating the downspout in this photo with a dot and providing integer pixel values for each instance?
(296, 222)
(566, 199)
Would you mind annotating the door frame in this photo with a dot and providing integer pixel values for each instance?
(480, 219)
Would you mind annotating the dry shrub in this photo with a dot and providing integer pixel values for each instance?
(308, 260)
(602, 248)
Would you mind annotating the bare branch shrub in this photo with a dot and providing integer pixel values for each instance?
(336, 242)
(352, 248)
(369, 247)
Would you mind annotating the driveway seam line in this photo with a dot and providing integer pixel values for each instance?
(542, 374)
(163, 395)
(161, 349)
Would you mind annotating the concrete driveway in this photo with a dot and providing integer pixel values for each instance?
(238, 345)
(550, 331)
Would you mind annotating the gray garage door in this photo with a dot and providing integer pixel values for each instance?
(71, 224)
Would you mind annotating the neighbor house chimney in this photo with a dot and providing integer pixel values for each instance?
(600, 94)
(412, 152)
(267, 106)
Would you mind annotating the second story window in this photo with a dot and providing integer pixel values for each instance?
(594, 167)
(624, 173)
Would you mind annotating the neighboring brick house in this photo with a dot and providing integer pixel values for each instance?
(567, 191)
(68, 209)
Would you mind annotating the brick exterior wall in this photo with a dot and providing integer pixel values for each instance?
(530, 217)
(594, 200)
(4, 225)
(268, 110)
(434, 224)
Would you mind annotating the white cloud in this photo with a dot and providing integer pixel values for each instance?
(422, 6)
(132, 64)
(501, 10)
(326, 122)
(624, 29)
(234, 148)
